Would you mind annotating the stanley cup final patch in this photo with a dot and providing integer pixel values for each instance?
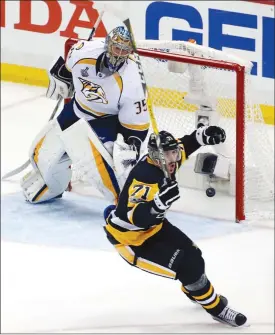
(84, 72)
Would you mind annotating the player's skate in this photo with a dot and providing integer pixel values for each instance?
(230, 317)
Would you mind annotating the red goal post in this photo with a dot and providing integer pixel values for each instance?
(240, 112)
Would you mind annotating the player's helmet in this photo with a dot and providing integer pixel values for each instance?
(168, 142)
(118, 47)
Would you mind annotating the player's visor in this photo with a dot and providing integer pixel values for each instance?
(172, 156)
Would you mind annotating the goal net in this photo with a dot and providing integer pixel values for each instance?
(190, 85)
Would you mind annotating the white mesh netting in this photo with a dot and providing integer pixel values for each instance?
(170, 91)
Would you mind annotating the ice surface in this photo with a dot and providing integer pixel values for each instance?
(60, 289)
(60, 274)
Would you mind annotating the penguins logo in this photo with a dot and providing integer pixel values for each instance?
(93, 92)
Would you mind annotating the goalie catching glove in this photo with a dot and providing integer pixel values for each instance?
(61, 81)
(210, 135)
(168, 193)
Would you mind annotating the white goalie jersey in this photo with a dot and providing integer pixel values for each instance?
(98, 94)
(104, 142)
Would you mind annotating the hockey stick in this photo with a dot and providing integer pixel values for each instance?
(97, 22)
(149, 101)
(126, 20)
(27, 163)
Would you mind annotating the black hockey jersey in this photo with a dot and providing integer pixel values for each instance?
(132, 222)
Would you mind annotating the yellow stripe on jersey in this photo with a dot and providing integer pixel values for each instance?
(88, 109)
(132, 237)
(119, 82)
(126, 252)
(155, 268)
(102, 170)
(184, 289)
(136, 126)
(87, 61)
(183, 156)
(37, 149)
(150, 161)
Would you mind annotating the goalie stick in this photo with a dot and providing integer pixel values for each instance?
(149, 101)
(108, 7)
(27, 163)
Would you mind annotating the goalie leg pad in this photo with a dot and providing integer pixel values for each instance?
(34, 188)
(90, 157)
(51, 166)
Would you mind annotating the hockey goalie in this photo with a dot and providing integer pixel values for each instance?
(100, 130)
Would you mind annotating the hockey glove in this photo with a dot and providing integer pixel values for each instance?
(135, 144)
(124, 153)
(61, 82)
(125, 157)
(168, 193)
(210, 135)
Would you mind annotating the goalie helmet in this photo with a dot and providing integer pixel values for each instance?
(118, 47)
(172, 151)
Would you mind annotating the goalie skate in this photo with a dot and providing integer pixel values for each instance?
(232, 318)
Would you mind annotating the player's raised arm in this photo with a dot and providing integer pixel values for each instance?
(202, 136)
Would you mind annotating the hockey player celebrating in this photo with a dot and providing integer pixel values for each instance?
(108, 100)
(140, 232)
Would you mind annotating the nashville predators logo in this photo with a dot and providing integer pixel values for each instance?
(93, 92)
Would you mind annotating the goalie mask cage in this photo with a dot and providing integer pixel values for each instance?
(182, 77)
